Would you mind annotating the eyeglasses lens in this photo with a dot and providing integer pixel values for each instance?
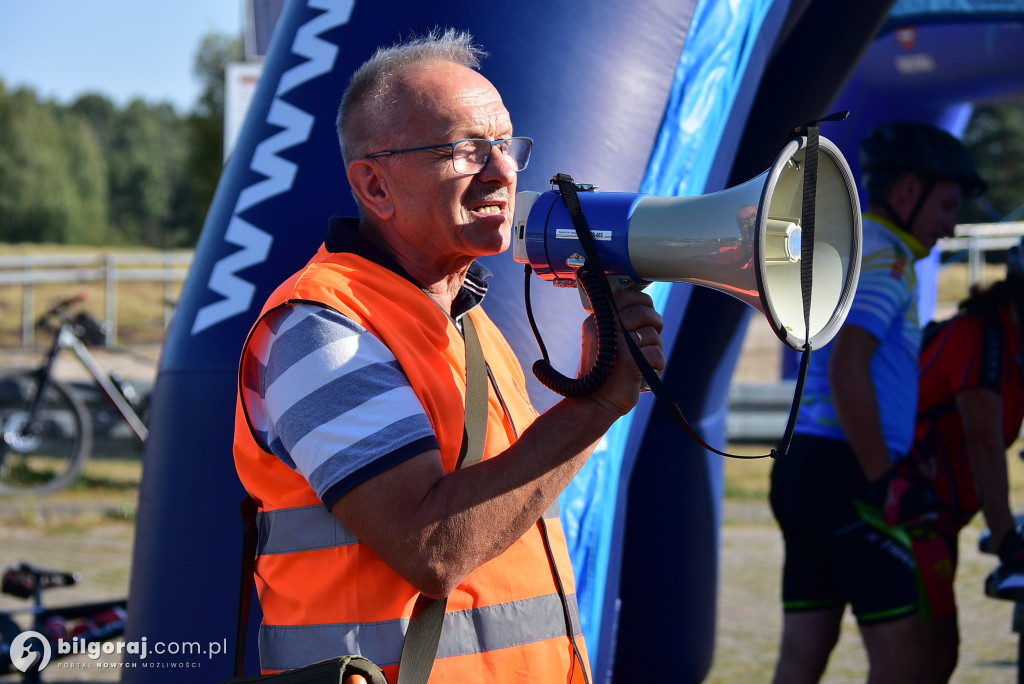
(471, 156)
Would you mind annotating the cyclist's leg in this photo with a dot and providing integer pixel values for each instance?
(942, 646)
(812, 599)
(936, 555)
(808, 638)
(895, 650)
(878, 573)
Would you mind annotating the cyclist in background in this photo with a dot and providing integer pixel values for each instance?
(837, 495)
(970, 411)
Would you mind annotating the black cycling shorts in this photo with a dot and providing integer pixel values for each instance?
(837, 549)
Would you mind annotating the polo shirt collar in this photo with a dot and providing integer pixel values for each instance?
(343, 236)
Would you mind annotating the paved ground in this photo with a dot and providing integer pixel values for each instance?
(137, 363)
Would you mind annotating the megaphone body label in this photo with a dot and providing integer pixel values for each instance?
(567, 234)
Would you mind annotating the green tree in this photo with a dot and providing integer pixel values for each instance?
(147, 147)
(206, 128)
(87, 171)
(100, 113)
(50, 173)
(146, 160)
(995, 136)
(94, 173)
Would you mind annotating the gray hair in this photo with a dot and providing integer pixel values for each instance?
(362, 117)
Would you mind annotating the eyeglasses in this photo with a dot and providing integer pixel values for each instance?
(470, 156)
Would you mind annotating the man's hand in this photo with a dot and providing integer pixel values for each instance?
(1011, 548)
(644, 324)
(903, 497)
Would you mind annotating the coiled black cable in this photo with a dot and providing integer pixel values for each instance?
(593, 283)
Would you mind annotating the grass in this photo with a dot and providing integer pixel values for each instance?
(954, 280)
(747, 479)
(106, 477)
(107, 490)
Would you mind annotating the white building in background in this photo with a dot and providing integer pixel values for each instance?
(241, 78)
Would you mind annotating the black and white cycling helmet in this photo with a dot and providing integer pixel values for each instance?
(902, 146)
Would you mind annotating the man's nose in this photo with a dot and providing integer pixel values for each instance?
(500, 167)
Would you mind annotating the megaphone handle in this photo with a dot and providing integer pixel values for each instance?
(594, 287)
(615, 283)
(604, 318)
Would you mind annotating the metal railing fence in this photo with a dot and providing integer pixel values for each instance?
(979, 238)
(108, 268)
(111, 268)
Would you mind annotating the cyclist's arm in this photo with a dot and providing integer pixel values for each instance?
(856, 401)
(981, 411)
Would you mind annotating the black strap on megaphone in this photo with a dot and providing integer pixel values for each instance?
(594, 283)
(807, 217)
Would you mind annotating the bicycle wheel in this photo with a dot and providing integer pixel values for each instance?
(44, 453)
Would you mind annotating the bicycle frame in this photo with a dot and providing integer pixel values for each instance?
(46, 427)
(112, 610)
(67, 339)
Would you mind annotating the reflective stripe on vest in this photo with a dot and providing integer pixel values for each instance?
(310, 528)
(466, 632)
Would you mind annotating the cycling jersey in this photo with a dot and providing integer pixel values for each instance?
(886, 306)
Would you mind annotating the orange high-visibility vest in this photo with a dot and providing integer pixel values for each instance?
(324, 593)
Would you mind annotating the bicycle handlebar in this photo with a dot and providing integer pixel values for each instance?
(59, 310)
(23, 580)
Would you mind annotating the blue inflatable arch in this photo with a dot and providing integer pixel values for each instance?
(664, 96)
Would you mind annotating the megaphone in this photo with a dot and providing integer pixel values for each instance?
(745, 241)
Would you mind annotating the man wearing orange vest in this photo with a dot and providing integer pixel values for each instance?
(351, 405)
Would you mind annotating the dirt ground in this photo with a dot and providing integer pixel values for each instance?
(750, 616)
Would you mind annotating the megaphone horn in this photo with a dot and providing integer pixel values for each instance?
(744, 241)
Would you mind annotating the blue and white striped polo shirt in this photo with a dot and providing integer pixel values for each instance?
(328, 397)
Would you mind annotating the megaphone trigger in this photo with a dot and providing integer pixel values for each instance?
(615, 283)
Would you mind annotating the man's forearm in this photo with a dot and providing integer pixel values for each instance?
(434, 528)
(857, 410)
(493, 503)
(981, 412)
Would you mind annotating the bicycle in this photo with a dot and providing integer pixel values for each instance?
(67, 629)
(47, 429)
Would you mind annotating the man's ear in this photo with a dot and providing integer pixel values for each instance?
(371, 188)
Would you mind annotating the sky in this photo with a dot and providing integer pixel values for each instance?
(120, 48)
